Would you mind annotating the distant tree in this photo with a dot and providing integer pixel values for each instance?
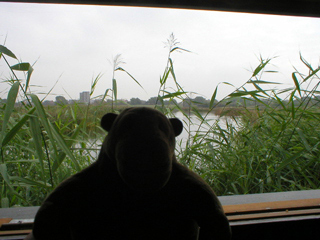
(48, 103)
(186, 102)
(61, 100)
(135, 101)
(169, 102)
(199, 101)
(152, 101)
(109, 101)
(166, 102)
(3, 100)
(119, 103)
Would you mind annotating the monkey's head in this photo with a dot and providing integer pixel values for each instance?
(141, 142)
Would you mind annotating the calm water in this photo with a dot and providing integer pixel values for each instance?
(194, 126)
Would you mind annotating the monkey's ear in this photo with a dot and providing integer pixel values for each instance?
(107, 121)
(177, 126)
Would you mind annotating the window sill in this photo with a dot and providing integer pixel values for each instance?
(253, 216)
(285, 215)
(271, 205)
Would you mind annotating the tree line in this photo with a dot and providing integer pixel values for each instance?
(199, 102)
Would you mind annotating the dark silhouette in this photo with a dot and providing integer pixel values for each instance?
(135, 190)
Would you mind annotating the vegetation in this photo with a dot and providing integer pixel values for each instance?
(270, 141)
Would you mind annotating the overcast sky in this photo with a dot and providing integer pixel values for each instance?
(74, 44)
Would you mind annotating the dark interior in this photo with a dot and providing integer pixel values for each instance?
(283, 7)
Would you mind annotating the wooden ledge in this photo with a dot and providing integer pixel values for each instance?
(272, 206)
(272, 211)
(278, 209)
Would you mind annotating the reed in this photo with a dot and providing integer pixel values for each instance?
(270, 142)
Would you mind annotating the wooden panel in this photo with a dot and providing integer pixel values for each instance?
(287, 213)
(271, 206)
(15, 232)
(240, 212)
(4, 220)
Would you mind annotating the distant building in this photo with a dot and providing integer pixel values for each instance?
(85, 97)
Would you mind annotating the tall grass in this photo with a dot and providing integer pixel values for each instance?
(270, 144)
(273, 143)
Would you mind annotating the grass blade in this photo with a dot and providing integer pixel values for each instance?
(13, 131)
(172, 95)
(4, 173)
(296, 83)
(164, 78)
(6, 178)
(36, 134)
(105, 95)
(30, 182)
(261, 66)
(243, 93)
(43, 117)
(24, 67)
(178, 49)
(64, 146)
(121, 69)
(94, 83)
(213, 98)
(114, 89)
(12, 96)
(262, 81)
(21, 67)
(172, 71)
(69, 143)
(7, 52)
(54, 135)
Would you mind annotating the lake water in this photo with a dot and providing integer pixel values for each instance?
(196, 121)
(192, 129)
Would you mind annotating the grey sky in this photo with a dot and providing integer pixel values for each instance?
(73, 44)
